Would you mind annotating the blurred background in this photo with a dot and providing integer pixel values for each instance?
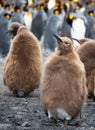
(72, 18)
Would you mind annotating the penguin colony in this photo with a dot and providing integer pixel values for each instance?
(64, 87)
(51, 16)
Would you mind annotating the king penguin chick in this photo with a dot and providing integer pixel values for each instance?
(86, 53)
(83, 40)
(22, 70)
(63, 92)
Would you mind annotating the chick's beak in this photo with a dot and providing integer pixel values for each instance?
(58, 38)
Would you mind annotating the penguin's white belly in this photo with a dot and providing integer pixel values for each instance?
(59, 114)
(78, 30)
(28, 21)
(51, 4)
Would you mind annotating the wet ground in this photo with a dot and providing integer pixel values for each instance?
(27, 114)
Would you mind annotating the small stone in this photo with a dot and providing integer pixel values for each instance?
(91, 128)
(25, 124)
(4, 126)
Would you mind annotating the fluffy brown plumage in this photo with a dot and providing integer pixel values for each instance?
(22, 70)
(63, 91)
(87, 55)
(83, 40)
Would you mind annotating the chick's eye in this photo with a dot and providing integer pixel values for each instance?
(66, 42)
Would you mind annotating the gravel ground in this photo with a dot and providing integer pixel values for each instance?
(27, 114)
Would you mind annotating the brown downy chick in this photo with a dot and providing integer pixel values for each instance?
(83, 40)
(86, 53)
(22, 70)
(63, 92)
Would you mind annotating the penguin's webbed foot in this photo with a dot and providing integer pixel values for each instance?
(19, 93)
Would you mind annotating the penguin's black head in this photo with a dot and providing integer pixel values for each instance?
(14, 29)
(91, 13)
(46, 2)
(1, 4)
(7, 7)
(26, 7)
(7, 16)
(70, 19)
(68, 6)
(65, 6)
(42, 6)
(17, 9)
(36, 6)
(64, 45)
(57, 11)
(58, 3)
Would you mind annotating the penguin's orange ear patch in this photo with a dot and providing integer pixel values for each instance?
(1, 5)
(71, 17)
(7, 7)
(18, 10)
(74, 1)
(7, 16)
(91, 13)
(56, 11)
(67, 4)
(42, 6)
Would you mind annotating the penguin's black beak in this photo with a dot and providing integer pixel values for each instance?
(58, 38)
(8, 31)
(76, 40)
(4, 33)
